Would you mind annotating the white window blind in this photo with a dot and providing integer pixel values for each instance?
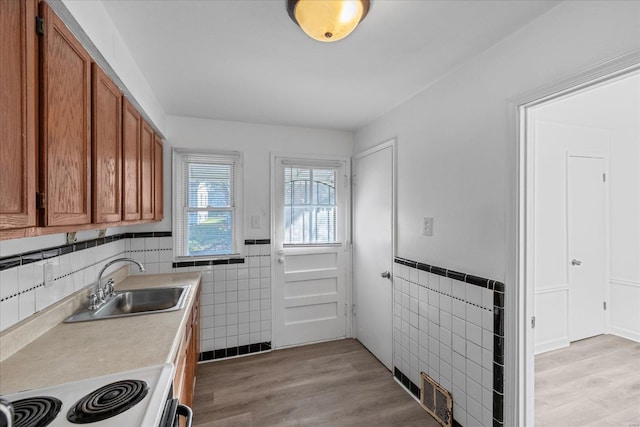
(207, 208)
(310, 205)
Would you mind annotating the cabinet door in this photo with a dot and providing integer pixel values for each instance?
(158, 172)
(146, 169)
(17, 114)
(107, 147)
(65, 145)
(130, 162)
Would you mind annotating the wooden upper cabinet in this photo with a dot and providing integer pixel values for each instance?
(18, 114)
(131, 131)
(107, 147)
(146, 169)
(65, 139)
(158, 173)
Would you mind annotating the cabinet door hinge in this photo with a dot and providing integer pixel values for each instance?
(604, 177)
(39, 26)
(41, 200)
(353, 309)
(533, 322)
(604, 305)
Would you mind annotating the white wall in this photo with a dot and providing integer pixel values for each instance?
(256, 142)
(453, 138)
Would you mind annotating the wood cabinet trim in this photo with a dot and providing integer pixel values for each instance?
(55, 176)
(158, 173)
(106, 136)
(130, 162)
(147, 177)
(17, 206)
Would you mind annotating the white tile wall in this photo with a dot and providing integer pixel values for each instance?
(236, 298)
(22, 290)
(444, 327)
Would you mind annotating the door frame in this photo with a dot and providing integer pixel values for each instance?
(274, 156)
(393, 143)
(607, 229)
(519, 380)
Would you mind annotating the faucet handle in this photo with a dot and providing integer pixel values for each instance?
(93, 301)
(100, 294)
(108, 288)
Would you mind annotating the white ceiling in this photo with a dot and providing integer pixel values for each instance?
(245, 60)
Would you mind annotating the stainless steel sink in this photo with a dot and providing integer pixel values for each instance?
(135, 302)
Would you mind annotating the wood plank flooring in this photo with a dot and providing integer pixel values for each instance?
(337, 383)
(592, 383)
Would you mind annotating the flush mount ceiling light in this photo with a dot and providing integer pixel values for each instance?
(327, 20)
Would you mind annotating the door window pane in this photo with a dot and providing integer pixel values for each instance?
(310, 208)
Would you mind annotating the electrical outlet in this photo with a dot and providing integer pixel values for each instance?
(427, 227)
(48, 274)
(255, 221)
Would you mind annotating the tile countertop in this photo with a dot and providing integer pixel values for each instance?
(74, 351)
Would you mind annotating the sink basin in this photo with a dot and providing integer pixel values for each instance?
(136, 302)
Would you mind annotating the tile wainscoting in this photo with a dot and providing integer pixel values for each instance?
(451, 326)
(74, 266)
(236, 292)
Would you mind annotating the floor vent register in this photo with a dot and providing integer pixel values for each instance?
(436, 400)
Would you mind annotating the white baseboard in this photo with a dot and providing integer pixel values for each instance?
(625, 333)
(550, 345)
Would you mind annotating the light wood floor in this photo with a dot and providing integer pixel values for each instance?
(337, 383)
(594, 382)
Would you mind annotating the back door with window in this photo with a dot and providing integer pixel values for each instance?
(310, 215)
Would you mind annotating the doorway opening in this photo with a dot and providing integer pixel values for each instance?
(578, 244)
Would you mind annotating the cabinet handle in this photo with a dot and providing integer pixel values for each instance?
(185, 411)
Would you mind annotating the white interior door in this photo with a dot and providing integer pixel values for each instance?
(373, 251)
(586, 246)
(309, 285)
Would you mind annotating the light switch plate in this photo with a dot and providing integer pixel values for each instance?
(427, 227)
(48, 274)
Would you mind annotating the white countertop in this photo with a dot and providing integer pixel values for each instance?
(75, 351)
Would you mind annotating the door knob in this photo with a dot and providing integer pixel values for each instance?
(281, 260)
(576, 262)
(385, 275)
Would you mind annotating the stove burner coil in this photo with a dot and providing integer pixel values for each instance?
(108, 401)
(35, 411)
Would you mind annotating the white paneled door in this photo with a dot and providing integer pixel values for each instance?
(373, 208)
(586, 246)
(310, 263)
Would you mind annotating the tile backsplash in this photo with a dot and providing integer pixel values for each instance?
(22, 286)
(236, 293)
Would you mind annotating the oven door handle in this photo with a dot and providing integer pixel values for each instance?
(185, 411)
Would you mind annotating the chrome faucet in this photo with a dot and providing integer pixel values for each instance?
(101, 294)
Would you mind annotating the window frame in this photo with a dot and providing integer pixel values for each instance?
(181, 159)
